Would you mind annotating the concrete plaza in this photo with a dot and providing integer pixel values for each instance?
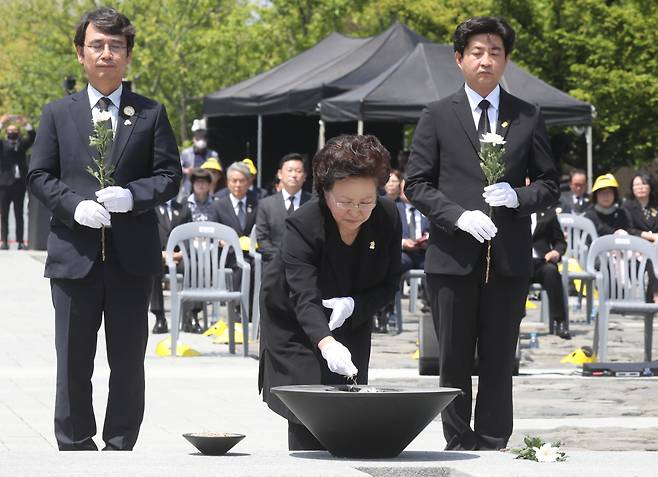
(609, 425)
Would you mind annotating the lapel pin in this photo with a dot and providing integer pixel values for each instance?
(372, 245)
(504, 124)
(129, 111)
(127, 122)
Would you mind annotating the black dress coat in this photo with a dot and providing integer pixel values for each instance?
(548, 234)
(315, 264)
(639, 222)
(607, 224)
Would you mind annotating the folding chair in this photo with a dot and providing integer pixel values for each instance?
(205, 274)
(619, 265)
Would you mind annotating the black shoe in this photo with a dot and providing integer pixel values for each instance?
(160, 325)
(562, 331)
(194, 325)
(4, 246)
(21, 246)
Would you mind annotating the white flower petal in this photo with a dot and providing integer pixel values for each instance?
(493, 138)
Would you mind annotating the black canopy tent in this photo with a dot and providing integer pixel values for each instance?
(276, 111)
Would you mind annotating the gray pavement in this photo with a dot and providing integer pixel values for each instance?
(609, 426)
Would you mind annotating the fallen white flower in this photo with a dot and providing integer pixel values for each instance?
(546, 453)
(493, 138)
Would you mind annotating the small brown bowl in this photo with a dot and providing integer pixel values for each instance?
(213, 443)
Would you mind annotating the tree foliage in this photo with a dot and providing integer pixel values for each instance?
(601, 51)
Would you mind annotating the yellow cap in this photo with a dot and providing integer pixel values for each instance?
(584, 354)
(212, 163)
(606, 180)
(250, 165)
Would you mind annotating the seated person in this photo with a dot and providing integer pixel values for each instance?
(607, 215)
(200, 200)
(218, 181)
(548, 246)
(575, 200)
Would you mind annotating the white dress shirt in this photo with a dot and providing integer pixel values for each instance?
(296, 201)
(407, 208)
(115, 102)
(493, 110)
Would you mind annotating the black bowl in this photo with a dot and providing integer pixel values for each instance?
(365, 424)
(213, 443)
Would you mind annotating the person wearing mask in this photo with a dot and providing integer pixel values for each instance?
(13, 171)
(606, 213)
(273, 210)
(642, 209)
(575, 200)
(339, 262)
(193, 157)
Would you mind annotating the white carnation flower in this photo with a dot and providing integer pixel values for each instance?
(493, 138)
(546, 453)
(100, 116)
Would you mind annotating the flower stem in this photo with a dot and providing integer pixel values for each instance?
(486, 276)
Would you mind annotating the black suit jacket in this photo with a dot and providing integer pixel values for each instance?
(569, 207)
(444, 179)
(424, 223)
(310, 267)
(146, 162)
(222, 211)
(180, 214)
(548, 234)
(639, 223)
(12, 156)
(271, 222)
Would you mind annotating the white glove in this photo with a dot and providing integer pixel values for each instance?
(115, 199)
(478, 224)
(500, 194)
(91, 214)
(339, 359)
(342, 308)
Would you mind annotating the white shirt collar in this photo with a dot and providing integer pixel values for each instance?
(286, 195)
(95, 95)
(475, 98)
(235, 200)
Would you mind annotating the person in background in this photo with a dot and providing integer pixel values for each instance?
(606, 213)
(218, 181)
(642, 209)
(13, 171)
(200, 201)
(393, 186)
(339, 262)
(193, 157)
(575, 200)
(273, 210)
(258, 192)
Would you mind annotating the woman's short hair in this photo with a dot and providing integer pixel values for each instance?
(200, 175)
(350, 156)
(106, 20)
(647, 179)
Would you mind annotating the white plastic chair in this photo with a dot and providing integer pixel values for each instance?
(580, 232)
(205, 275)
(258, 266)
(619, 264)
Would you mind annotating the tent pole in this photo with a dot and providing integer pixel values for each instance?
(259, 156)
(321, 134)
(359, 128)
(588, 138)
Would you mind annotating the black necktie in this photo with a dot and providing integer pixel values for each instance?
(412, 223)
(291, 207)
(242, 217)
(104, 105)
(483, 125)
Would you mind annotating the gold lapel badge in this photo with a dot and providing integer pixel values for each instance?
(504, 124)
(372, 245)
(129, 111)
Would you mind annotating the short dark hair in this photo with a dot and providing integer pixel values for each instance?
(575, 172)
(108, 21)
(350, 156)
(477, 25)
(200, 175)
(293, 156)
(647, 179)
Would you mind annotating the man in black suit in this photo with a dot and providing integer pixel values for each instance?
(415, 233)
(548, 246)
(576, 200)
(13, 170)
(273, 210)
(87, 284)
(446, 183)
(171, 214)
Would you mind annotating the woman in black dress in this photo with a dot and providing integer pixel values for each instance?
(339, 262)
(642, 208)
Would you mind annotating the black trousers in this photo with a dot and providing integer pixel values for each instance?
(15, 194)
(122, 299)
(550, 279)
(469, 313)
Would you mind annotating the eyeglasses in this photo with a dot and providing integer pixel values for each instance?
(352, 205)
(115, 48)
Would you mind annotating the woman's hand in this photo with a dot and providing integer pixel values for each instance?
(648, 236)
(342, 308)
(338, 357)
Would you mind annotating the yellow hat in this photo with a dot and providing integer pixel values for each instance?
(250, 165)
(584, 354)
(212, 163)
(606, 180)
